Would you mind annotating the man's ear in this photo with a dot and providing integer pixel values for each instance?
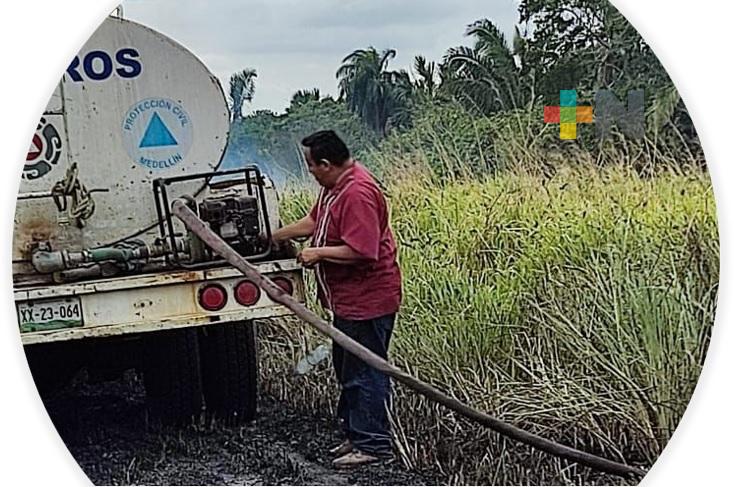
(325, 162)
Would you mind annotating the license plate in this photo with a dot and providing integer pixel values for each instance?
(49, 315)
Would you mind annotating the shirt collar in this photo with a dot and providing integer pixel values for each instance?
(347, 176)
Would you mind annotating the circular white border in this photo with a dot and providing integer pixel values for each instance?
(693, 40)
(136, 123)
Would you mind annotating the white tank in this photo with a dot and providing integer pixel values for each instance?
(133, 106)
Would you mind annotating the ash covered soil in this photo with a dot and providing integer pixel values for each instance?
(104, 427)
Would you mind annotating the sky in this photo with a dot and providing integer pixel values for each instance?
(299, 44)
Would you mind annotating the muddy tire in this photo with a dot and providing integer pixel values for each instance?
(172, 376)
(229, 367)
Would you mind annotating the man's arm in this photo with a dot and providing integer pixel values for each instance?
(302, 228)
(339, 254)
(359, 231)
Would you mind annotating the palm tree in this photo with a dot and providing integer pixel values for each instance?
(486, 77)
(301, 97)
(427, 78)
(369, 89)
(241, 90)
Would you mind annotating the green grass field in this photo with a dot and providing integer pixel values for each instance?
(577, 306)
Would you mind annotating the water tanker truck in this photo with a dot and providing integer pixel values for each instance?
(104, 277)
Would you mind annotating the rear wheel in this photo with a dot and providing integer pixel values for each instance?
(172, 376)
(229, 366)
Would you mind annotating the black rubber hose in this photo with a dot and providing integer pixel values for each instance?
(277, 294)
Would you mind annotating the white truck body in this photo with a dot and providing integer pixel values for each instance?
(138, 304)
(132, 99)
(98, 261)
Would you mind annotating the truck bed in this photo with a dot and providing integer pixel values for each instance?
(145, 303)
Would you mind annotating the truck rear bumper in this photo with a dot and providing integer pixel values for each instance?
(140, 304)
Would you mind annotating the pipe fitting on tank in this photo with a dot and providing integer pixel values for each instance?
(48, 262)
(61, 260)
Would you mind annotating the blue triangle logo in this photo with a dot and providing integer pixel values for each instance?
(157, 134)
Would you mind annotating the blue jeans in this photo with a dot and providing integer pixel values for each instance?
(365, 392)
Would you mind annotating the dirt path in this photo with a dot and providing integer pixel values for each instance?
(103, 426)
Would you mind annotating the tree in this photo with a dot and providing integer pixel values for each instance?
(422, 92)
(587, 45)
(370, 89)
(485, 78)
(241, 90)
(427, 77)
(301, 97)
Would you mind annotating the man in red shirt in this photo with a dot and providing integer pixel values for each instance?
(353, 254)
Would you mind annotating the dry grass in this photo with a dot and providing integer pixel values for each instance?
(577, 306)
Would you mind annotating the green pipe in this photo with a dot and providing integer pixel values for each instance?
(107, 253)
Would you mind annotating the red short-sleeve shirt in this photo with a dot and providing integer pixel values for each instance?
(355, 213)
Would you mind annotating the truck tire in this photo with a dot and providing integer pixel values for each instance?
(229, 367)
(172, 376)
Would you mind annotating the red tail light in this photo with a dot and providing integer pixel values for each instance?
(285, 284)
(212, 297)
(247, 293)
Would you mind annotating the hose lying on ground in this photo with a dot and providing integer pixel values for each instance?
(194, 224)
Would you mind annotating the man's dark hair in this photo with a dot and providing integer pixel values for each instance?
(325, 144)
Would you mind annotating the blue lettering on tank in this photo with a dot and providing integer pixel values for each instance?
(72, 70)
(91, 68)
(99, 65)
(128, 60)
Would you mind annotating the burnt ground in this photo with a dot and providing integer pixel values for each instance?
(104, 427)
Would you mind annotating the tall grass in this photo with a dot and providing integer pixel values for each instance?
(453, 142)
(577, 306)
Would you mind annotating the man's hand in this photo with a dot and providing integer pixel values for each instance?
(275, 245)
(302, 228)
(309, 257)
